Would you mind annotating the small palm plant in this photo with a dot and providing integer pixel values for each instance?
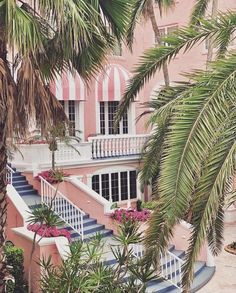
(85, 271)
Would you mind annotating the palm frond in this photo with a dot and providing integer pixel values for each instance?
(139, 7)
(183, 39)
(209, 198)
(199, 11)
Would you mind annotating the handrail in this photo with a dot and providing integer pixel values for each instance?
(63, 207)
(10, 171)
(170, 264)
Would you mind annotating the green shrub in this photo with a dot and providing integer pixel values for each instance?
(15, 259)
(150, 205)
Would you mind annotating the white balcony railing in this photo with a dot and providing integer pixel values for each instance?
(38, 156)
(63, 207)
(170, 265)
(117, 145)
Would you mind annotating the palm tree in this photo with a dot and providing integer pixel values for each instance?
(38, 40)
(195, 126)
(145, 8)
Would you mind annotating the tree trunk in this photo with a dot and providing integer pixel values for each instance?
(155, 28)
(3, 162)
(53, 160)
(211, 44)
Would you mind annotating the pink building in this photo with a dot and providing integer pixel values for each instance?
(106, 169)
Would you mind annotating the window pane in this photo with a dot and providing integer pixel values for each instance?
(105, 186)
(133, 184)
(95, 183)
(125, 123)
(71, 117)
(112, 108)
(124, 185)
(102, 118)
(114, 187)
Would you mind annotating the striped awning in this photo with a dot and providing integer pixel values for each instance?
(69, 86)
(111, 83)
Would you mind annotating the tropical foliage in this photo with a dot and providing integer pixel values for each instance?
(193, 139)
(145, 9)
(85, 271)
(15, 261)
(39, 40)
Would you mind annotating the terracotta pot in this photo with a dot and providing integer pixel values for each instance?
(230, 250)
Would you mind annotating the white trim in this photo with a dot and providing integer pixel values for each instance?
(18, 202)
(118, 170)
(81, 127)
(91, 193)
(25, 233)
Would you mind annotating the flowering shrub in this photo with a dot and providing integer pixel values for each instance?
(122, 215)
(52, 176)
(43, 230)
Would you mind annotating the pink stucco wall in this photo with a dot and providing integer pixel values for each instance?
(144, 39)
(14, 219)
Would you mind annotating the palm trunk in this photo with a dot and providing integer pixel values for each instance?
(3, 182)
(211, 44)
(155, 28)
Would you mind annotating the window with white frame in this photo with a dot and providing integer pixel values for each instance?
(164, 31)
(71, 109)
(117, 186)
(107, 118)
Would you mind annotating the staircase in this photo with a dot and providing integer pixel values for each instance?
(33, 200)
(202, 273)
(90, 228)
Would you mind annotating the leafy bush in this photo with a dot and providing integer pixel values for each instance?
(53, 176)
(45, 231)
(122, 215)
(150, 205)
(85, 271)
(15, 260)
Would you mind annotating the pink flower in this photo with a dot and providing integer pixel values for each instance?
(133, 215)
(45, 231)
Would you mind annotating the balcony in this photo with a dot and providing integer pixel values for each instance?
(37, 156)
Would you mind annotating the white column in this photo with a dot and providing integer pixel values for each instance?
(119, 186)
(89, 180)
(128, 185)
(110, 190)
(140, 194)
(80, 112)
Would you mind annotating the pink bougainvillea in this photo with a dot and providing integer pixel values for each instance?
(121, 215)
(52, 176)
(45, 231)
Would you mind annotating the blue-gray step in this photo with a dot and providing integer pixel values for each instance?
(33, 200)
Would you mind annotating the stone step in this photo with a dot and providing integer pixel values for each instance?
(28, 192)
(24, 187)
(18, 178)
(19, 183)
(103, 233)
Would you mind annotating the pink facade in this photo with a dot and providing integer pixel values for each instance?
(106, 158)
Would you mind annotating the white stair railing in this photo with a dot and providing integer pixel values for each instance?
(9, 174)
(170, 265)
(63, 207)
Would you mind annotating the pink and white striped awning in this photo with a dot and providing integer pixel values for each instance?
(111, 83)
(69, 87)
